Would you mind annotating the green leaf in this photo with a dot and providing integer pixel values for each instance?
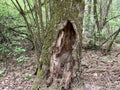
(18, 50)
(1, 58)
(112, 22)
(20, 59)
(26, 75)
(1, 73)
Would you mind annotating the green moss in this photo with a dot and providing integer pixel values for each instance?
(37, 79)
(61, 12)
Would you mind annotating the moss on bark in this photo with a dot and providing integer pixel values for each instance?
(61, 10)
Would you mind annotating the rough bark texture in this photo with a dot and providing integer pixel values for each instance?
(62, 61)
(65, 51)
(61, 51)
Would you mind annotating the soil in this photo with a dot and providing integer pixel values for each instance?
(100, 72)
(14, 73)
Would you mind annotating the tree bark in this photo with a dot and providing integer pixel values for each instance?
(60, 58)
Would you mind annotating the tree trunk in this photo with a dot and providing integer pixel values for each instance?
(60, 58)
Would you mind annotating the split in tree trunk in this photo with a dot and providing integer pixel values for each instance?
(62, 61)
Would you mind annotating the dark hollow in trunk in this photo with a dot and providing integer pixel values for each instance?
(62, 62)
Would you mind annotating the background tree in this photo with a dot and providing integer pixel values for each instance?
(102, 22)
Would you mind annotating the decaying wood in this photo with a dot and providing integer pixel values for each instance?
(62, 61)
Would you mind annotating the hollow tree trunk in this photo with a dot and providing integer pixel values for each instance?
(61, 52)
(63, 58)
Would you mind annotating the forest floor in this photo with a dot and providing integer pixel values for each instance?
(100, 72)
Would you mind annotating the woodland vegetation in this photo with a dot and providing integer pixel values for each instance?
(59, 44)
